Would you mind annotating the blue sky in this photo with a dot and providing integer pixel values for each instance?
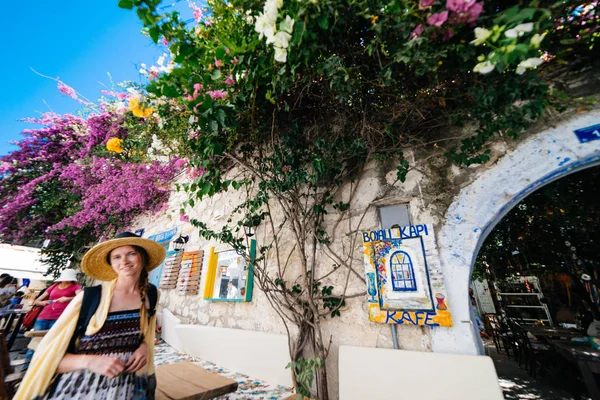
(78, 41)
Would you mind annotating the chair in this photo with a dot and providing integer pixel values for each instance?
(534, 351)
(8, 379)
(500, 335)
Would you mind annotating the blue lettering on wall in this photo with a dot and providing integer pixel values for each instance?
(421, 318)
(403, 232)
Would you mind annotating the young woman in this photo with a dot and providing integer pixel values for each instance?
(115, 356)
(56, 299)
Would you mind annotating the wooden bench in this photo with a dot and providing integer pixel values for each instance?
(186, 381)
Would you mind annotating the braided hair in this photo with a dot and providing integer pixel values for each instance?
(143, 287)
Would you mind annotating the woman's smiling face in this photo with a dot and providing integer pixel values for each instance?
(126, 261)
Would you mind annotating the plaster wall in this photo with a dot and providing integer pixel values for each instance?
(463, 205)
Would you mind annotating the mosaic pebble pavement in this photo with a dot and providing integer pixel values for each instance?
(248, 388)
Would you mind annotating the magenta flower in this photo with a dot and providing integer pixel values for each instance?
(426, 3)
(67, 90)
(438, 19)
(218, 63)
(184, 217)
(464, 11)
(454, 5)
(165, 41)
(230, 80)
(217, 94)
(418, 31)
(180, 163)
(448, 35)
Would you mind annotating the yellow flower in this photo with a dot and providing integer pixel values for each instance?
(139, 109)
(374, 19)
(114, 145)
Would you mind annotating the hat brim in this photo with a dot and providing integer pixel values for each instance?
(94, 262)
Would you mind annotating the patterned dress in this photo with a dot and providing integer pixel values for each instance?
(119, 336)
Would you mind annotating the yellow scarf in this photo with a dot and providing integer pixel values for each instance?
(53, 346)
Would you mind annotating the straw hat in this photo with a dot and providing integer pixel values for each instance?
(95, 263)
(67, 275)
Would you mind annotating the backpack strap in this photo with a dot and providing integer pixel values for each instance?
(89, 305)
(152, 294)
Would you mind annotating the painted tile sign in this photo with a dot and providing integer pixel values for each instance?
(404, 277)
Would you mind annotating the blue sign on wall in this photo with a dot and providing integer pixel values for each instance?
(588, 134)
(164, 236)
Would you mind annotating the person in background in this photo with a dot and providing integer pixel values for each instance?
(8, 288)
(55, 299)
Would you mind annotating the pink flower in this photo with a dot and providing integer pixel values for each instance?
(227, 51)
(454, 5)
(438, 19)
(218, 63)
(184, 217)
(426, 3)
(209, 22)
(418, 31)
(180, 163)
(217, 94)
(230, 80)
(67, 90)
(165, 41)
(122, 96)
(198, 86)
(194, 173)
(464, 11)
(197, 14)
(235, 60)
(448, 35)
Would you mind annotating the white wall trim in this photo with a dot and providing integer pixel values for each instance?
(537, 161)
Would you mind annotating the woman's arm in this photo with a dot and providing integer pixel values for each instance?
(65, 299)
(41, 301)
(109, 366)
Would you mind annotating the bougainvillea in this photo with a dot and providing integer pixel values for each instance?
(74, 180)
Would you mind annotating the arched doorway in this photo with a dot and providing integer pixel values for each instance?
(536, 161)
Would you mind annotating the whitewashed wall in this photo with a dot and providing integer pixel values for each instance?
(462, 204)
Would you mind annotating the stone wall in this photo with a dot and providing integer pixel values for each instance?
(463, 205)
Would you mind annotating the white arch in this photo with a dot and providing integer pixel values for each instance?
(475, 211)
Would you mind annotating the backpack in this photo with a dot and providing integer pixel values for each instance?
(89, 305)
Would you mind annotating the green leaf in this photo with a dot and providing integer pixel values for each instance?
(323, 21)
(170, 91)
(220, 53)
(216, 75)
(221, 117)
(154, 34)
(214, 126)
(127, 4)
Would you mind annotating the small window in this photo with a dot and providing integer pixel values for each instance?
(403, 274)
(394, 215)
